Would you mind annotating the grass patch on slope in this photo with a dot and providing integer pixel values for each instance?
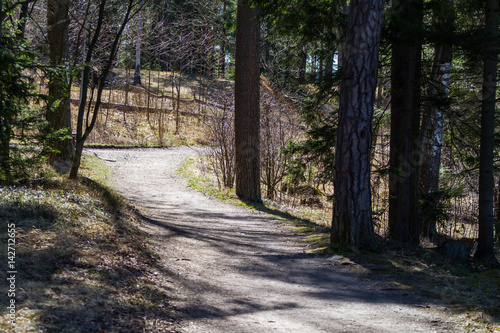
(199, 178)
(83, 264)
(192, 168)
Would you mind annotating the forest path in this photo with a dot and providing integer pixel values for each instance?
(231, 269)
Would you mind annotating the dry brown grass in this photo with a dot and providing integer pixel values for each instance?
(156, 127)
(83, 263)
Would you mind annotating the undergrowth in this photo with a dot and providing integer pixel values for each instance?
(199, 178)
(469, 292)
(83, 264)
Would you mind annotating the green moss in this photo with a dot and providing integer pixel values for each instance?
(493, 275)
(95, 168)
(305, 228)
(319, 239)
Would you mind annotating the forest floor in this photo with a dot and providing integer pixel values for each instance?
(234, 269)
(163, 257)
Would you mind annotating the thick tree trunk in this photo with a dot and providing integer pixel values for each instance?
(485, 249)
(432, 136)
(59, 117)
(352, 212)
(405, 155)
(247, 100)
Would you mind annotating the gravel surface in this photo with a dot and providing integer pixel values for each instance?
(231, 269)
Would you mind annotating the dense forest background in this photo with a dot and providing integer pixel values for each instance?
(164, 72)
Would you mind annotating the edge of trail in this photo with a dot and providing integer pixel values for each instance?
(228, 268)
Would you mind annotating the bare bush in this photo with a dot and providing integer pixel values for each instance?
(278, 127)
(220, 136)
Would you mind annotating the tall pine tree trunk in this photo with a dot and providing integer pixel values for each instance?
(247, 103)
(405, 158)
(59, 115)
(352, 212)
(485, 249)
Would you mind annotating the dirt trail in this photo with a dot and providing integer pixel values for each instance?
(234, 270)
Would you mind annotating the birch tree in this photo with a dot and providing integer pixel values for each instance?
(433, 121)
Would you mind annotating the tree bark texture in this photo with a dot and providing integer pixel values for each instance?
(59, 117)
(247, 103)
(432, 135)
(486, 241)
(405, 157)
(352, 213)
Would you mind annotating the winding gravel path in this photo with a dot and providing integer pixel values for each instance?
(231, 269)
